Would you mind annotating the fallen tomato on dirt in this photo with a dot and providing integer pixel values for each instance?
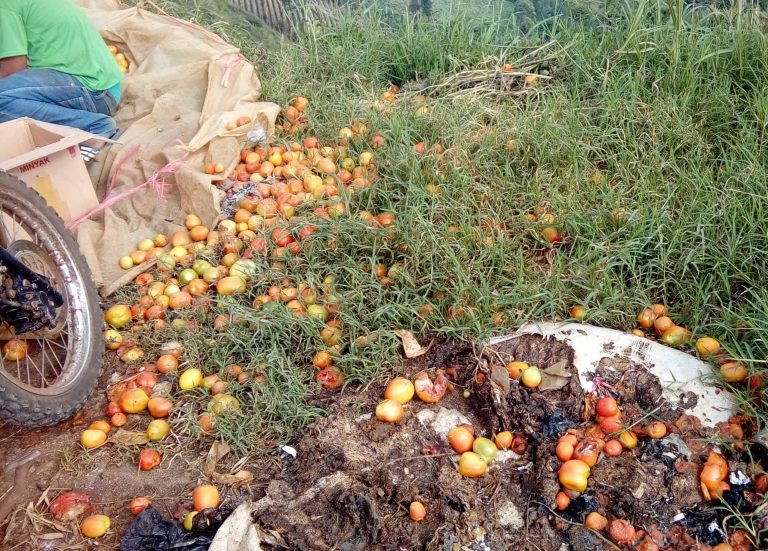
(205, 496)
(461, 438)
(596, 521)
(70, 505)
(430, 391)
(134, 401)
(157, 430)
(138, 504)
(330, 378)
(400, 389)
(148, 459)
(573, 475)
(472, 465)
(95, 526)
(485, 448)
(417, 511)
(92, 438)
(389, 411)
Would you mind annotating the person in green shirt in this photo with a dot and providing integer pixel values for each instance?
(55, 67)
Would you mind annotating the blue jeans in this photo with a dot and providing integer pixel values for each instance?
(52, 96)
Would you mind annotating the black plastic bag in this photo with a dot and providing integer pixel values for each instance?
(149, 532)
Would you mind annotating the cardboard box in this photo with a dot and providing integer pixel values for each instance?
(47, 158)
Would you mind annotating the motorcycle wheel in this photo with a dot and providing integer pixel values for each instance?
(62, 364)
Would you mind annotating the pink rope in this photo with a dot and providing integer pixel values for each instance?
(234, 60)
(156, 183)
(131, 153)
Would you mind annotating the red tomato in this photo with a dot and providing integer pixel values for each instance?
(330, 378)
(139, 504)
(148, 459)
(607, 407)
(282, 237)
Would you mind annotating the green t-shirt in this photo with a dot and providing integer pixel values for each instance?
(56, 34)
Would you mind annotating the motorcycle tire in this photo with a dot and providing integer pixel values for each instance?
(33, 392)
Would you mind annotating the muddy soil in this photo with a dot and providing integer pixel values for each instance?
(354, 477)
(109, 475)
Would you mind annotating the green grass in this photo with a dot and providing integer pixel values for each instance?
(648, 147)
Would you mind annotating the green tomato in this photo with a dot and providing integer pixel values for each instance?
(200, 266)
(485, 448)
(185, 276)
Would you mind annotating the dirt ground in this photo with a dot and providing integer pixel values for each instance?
(353, 478)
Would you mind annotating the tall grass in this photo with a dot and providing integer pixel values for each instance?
(648, 147)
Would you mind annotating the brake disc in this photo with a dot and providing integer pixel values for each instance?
(27, 291)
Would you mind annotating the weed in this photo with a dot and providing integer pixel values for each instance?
(647, 147)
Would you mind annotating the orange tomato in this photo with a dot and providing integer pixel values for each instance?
(417, 511)
(564, 451)
(613, 448)
(503, 440)
(656, 430)
(707, 346)
(562, 501)
(205, 496)
(400, 389)
(515, 369)
(662, 323)
(472, 465)
(159, 407)
(167, 363)
(461, 439)
(573, 475)
(322, 359)
(646, 318)
(733, 372)
(206, 423)
(103, 426)
(596, 521)
(95, 526)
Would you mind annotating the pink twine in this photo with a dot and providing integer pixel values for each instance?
(234, 60)
(131, 153)
(156, 183)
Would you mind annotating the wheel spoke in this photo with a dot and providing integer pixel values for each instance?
(56, 356)
(29, 360)
(57, 359)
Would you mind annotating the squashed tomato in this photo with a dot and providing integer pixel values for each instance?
(330, 378)
(429, 391)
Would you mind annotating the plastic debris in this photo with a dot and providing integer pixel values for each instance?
(150, 532)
